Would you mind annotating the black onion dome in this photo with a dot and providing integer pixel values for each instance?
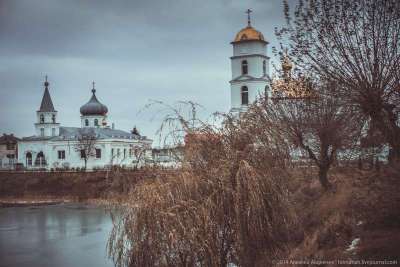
(93, 107)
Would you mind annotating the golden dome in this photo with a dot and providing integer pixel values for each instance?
(249, 33)
(286, 64)
(292, 88)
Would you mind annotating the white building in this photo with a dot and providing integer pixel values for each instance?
(250, 67)
(55, 146)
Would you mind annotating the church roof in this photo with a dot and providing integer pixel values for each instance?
(249, 34)
(47, 103)
(8, 138)
(93, 107)
(73, 133)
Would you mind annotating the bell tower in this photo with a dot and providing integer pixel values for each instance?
(47, 124)
(250, 67)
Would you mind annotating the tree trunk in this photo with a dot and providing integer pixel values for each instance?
(394, 154)
(391, 132)
(323, 177)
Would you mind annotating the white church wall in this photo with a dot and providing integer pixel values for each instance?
(73, 158)
(34, 148)
(47, 129)
(254, 66)
(47, 116)
(255, 89)
(251, 47)
(91, 120)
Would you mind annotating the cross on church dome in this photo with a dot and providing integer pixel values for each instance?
(249, 33)
(248, 11)
(93, 90)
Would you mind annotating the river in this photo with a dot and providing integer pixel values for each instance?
(64, 235)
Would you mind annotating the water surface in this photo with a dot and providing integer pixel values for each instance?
(65, 235)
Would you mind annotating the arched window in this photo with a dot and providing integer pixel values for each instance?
(86, 122)
(41, 118)
(96, 122)
(40, 159)
(28, 159)
(41, 131)
(264, 67)
(245, 95)
(244, 67)
(53, 118)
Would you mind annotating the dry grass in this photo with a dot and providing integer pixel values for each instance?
(364, 205)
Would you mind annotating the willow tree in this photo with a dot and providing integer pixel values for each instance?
(228, 205)
(316, 127)
(357, 44)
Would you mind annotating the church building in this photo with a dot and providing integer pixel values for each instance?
(250, 67)
(93, 145)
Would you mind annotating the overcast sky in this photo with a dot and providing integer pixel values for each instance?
(135, 51)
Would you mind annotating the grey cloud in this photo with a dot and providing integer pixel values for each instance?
(134, 50)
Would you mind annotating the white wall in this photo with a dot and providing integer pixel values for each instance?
(48, 124)
(72, 157)
(256, 88)
(254, 53)
(248, 48)
(254, 66)
(91, 119)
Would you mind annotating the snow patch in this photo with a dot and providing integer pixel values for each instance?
(353, 245)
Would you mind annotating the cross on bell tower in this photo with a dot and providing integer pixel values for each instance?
(248, 11)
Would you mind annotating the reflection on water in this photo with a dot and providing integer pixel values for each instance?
(65, 235)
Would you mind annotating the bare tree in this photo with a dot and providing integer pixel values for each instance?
(86, 146)
(139, 151)
(318, 127)
(357, 44)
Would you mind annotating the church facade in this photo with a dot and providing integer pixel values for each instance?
(93, 145)
(249, 66)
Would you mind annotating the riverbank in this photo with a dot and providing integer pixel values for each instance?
(71, 186)
(9, 203)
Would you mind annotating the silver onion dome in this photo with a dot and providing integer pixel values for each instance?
(93, 107)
